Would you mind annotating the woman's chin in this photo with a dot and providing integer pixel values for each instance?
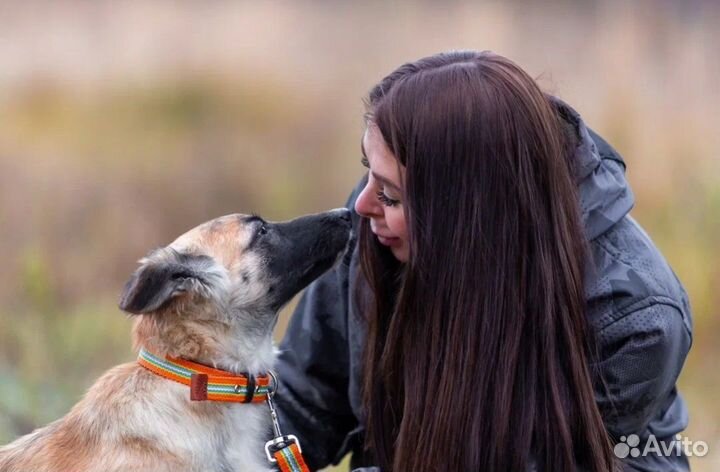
(400, 252)
(397, 246)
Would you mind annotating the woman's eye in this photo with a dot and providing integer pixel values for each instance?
(385, 200)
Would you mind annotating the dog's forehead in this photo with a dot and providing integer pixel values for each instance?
(219, 233)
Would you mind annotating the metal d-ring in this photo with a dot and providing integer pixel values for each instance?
(272, 387)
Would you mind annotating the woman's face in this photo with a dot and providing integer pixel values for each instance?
(380, 200)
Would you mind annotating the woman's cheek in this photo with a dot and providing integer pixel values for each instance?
(396, 222)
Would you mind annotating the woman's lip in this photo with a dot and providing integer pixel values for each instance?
(388, 241)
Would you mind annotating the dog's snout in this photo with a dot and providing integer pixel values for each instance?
(309, 246)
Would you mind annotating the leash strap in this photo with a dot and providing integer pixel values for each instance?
(290, 459)
(205, 382)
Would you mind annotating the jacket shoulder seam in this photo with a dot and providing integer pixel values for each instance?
(645, 303)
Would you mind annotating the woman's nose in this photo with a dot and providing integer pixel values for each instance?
(366, 205)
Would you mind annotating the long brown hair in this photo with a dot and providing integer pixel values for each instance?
(478, 349)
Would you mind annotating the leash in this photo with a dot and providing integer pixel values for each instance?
(283, 449)
(211, 384)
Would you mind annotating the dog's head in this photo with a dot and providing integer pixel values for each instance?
(229, 277)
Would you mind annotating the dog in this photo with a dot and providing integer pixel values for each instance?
(211, 298)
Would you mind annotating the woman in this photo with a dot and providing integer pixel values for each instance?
(501, 311)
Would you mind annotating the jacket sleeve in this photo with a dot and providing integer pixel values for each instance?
(314, 367)
(642, 355)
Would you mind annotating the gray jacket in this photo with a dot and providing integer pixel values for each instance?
(634, 301)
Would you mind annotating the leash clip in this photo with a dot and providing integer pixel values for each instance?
(280, 441)
(273, 414)
(282, 446)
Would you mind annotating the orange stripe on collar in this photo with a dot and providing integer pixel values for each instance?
(207, 383)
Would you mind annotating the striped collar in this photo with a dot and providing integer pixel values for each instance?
(207, 383)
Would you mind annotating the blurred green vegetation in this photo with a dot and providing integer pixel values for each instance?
(239, 108)
(37, 382)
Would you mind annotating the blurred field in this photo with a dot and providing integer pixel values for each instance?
(126, 123)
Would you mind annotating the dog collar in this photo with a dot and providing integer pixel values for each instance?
(207, 383)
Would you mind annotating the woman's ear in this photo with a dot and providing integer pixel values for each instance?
(162, 276)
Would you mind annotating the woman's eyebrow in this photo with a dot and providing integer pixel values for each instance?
(364, 161)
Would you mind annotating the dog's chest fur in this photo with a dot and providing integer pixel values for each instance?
(208, 435)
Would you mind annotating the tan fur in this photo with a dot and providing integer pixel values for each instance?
(86, 438)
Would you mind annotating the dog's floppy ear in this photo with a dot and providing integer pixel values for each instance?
(162, 276)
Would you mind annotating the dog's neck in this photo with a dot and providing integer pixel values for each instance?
(232, 348)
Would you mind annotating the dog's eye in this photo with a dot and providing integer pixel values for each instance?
(262, 230)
